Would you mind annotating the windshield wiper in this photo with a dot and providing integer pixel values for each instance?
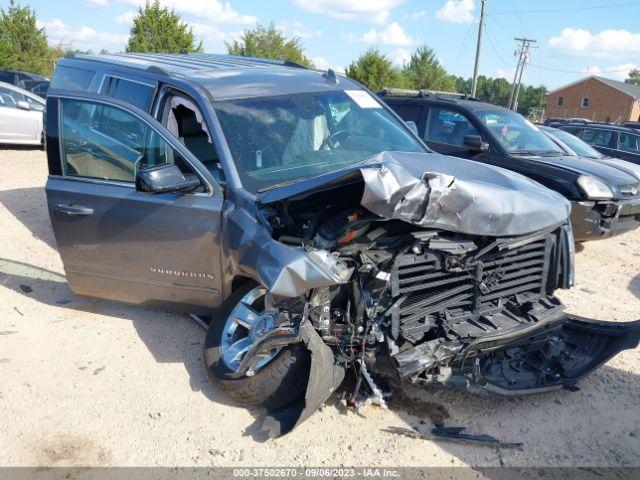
(549, 153)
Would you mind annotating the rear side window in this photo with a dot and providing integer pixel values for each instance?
(71, 78)
(629, 143)
(10, 98)
(601, 138)
(408, 112)
(135, 93)
(6, 77)
(105, 142)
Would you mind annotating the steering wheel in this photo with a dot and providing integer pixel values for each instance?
(333, 140)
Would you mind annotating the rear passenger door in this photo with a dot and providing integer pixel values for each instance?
(628, 147)
(119, 243)
(599, 138)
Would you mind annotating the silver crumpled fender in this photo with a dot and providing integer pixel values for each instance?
(325, 376)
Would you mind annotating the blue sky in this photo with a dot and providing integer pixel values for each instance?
(583, 38)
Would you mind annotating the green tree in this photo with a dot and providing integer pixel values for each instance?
(160, 29)
(634, 77)
(375, 71)
(424, 71)
(268, 42)
(23, 46)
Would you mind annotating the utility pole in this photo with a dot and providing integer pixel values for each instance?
(523, 52)
(474, 86)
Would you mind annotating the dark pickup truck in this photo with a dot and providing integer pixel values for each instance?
(314, 228)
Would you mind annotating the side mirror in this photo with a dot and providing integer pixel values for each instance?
(475, 143)
(412, 126)
(165, 178)
(23, 105)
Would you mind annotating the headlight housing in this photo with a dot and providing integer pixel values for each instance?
(593, 188)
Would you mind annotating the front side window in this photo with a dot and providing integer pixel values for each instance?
(448, 126)
(283, 138)
(517, 134)
(596, 137)
(10, 98)
(629, 143)
(105, 142)
(579, 146)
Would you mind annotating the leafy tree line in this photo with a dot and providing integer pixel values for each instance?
(157, 28)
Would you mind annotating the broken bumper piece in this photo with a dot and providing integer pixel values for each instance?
(546, 356)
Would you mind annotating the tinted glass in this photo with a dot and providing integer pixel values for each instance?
(100, 141)
(448, 126)
(71, 78)
(579, 146)
(7, 77)
(408, 112)
(596, 137)
(35, 105)
(517, 134)
(131, 92)
(629, 143)
(285, 138)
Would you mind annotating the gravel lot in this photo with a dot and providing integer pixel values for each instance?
(90, 382)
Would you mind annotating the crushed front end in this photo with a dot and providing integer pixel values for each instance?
(414, 301)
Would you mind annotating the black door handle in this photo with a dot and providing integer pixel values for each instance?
(73, 209)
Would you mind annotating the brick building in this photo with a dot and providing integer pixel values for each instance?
(596, 98)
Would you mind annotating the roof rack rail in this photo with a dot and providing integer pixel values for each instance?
(240, 58)
(404, 92)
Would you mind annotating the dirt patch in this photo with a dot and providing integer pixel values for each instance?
(72, 451)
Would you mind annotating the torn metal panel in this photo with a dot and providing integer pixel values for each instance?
(325, 376)
(456, 435)
(286, 271)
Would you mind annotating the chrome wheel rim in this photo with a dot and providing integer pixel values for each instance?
(244, 326)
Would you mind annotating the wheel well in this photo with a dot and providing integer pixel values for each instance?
(238, 282)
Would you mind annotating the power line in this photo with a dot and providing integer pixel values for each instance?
(559, 70)
(574, 9)
(494, 48)
(462, 47)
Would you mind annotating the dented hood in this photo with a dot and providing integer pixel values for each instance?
(450, 193)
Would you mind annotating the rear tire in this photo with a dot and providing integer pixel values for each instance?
(274, 385)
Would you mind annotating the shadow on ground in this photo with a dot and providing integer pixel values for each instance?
(634, 286)
(29, 206)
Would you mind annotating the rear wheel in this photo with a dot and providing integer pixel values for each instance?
(277, 379)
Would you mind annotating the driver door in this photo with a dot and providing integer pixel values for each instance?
(120, 243)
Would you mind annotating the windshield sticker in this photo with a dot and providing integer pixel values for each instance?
(363, 99)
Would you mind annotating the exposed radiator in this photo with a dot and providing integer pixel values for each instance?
(428, 288)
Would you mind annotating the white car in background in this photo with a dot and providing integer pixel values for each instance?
(21, 116)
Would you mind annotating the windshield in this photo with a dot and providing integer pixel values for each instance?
(517, 134)
(285, 138)
(574, 143)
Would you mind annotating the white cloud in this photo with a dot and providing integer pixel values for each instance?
(417, 16)
(298, 29)
(215, 11)
(392, 34)
(506, 74)
(321, 63)
(101, 3)
(617, 72)
(84, 38)
(376, 11)
(401, 57)
(456, 11)
(607, 43)
(125, 18)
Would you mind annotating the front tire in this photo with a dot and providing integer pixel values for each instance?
(276, 383)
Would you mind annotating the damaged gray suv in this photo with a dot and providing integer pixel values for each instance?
(320, 235)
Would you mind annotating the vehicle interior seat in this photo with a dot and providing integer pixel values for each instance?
(196, 139)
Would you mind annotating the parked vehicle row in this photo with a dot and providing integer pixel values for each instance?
(318, 231)
(32, 82)
(21, 116)
(605, 196)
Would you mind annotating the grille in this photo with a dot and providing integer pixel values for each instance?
(425, 291)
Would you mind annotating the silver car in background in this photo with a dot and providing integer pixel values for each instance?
(21, 116)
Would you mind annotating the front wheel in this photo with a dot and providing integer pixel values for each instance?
(277, 379)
